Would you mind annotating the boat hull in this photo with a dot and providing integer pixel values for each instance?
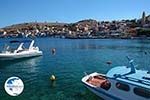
(19, 55)
(113, 93)
(99, 93)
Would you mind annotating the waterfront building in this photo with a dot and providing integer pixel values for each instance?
(4, 33)
(148, 18)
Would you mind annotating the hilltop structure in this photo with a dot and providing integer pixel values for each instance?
(143, 18)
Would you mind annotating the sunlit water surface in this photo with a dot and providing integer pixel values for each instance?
(72, 59)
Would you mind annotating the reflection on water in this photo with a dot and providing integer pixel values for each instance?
(29, 61)
(94, 46)
(31, 64)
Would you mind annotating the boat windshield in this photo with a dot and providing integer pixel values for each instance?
(99, 81)
(8, 48)
(11, 48)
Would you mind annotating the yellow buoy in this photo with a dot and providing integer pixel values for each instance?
(52, 78)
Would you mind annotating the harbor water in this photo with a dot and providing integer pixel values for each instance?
(72, 58)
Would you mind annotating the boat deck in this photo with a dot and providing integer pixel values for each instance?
(122, 73)
(99, 81)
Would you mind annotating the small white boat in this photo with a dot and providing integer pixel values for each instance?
(120, 83)
(20, 52)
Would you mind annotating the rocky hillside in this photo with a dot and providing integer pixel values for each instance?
(85, 28)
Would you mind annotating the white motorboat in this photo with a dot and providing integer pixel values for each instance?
(20, 52)
(120, 83)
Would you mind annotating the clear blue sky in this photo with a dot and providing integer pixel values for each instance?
(19, 11)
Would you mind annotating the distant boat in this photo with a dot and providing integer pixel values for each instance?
(20, 52)
(120, 83)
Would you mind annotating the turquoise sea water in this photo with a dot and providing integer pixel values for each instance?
(72, 59)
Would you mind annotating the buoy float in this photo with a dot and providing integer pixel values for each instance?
(145, 52)
(108, 62)
(52, 78)
(53, 51)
